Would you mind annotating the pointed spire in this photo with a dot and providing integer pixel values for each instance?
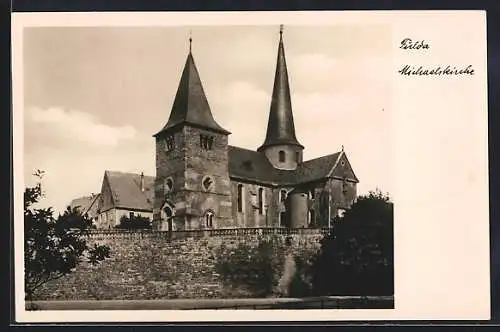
(280, 126)
(190, 104)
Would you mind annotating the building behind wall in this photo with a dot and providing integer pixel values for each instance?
(124, 194)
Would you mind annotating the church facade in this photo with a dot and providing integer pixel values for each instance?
(202, 182)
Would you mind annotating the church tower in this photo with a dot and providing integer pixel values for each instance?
(192, 187)
(280, 145)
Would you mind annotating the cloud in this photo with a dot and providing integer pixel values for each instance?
(339, 83)
(69, 173)
(76, 126)
(74, 148)
(326, 121)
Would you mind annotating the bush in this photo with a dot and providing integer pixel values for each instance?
(356, 258)
(135, 222)
(301, 285)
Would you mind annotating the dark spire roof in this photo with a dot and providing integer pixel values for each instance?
(190, 103)
(280, 126)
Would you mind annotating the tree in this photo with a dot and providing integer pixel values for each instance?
(134, 222)
(53, 247)
(356, 257)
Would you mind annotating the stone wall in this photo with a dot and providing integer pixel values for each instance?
(250, 216)
(163, 265)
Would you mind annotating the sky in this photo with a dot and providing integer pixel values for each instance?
(94, 96)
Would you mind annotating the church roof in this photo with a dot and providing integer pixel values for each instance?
(254, 166)
(280, 126)
(126, 190)
(246, 165)
(250, 165)
(190, 104)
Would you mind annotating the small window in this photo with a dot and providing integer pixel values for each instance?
(168, 185)
(169, 143)
(297, 156)
(283, 195)
(283, 220)
(240, 198)
(261, 201)
(345, 187)
(311, 194)
(209, 219)
(312, 217)
(168, 212)
(282, 156)
(206, 142)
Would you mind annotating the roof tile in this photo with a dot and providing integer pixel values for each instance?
(126, 189)
(254, 166)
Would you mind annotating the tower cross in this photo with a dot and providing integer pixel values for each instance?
(190, 40)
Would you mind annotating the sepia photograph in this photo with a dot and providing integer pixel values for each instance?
(250, 166)
(228, 164)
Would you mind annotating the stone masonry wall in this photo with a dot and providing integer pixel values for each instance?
(153, 265)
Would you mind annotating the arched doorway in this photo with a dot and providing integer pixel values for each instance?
(167, 214)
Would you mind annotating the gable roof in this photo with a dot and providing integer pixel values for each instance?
(254, 166)
(318, 168)
(244, 164)
(126, 190)
(86, 204)
(250, 165)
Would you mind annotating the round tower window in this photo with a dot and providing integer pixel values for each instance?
(208, 183)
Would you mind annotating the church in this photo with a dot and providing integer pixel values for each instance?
(202, 182)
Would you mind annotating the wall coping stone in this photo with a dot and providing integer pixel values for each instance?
(146, 233)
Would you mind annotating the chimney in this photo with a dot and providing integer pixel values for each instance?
(142, 181)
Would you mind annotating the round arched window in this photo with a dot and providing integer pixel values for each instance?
(167, 214)
(168, 211)
(209, 219)
(281, 156)
(283, 195)
(168, 185)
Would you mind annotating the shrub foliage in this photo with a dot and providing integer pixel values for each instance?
(356, 258)
(53, 247)
(134, 222)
